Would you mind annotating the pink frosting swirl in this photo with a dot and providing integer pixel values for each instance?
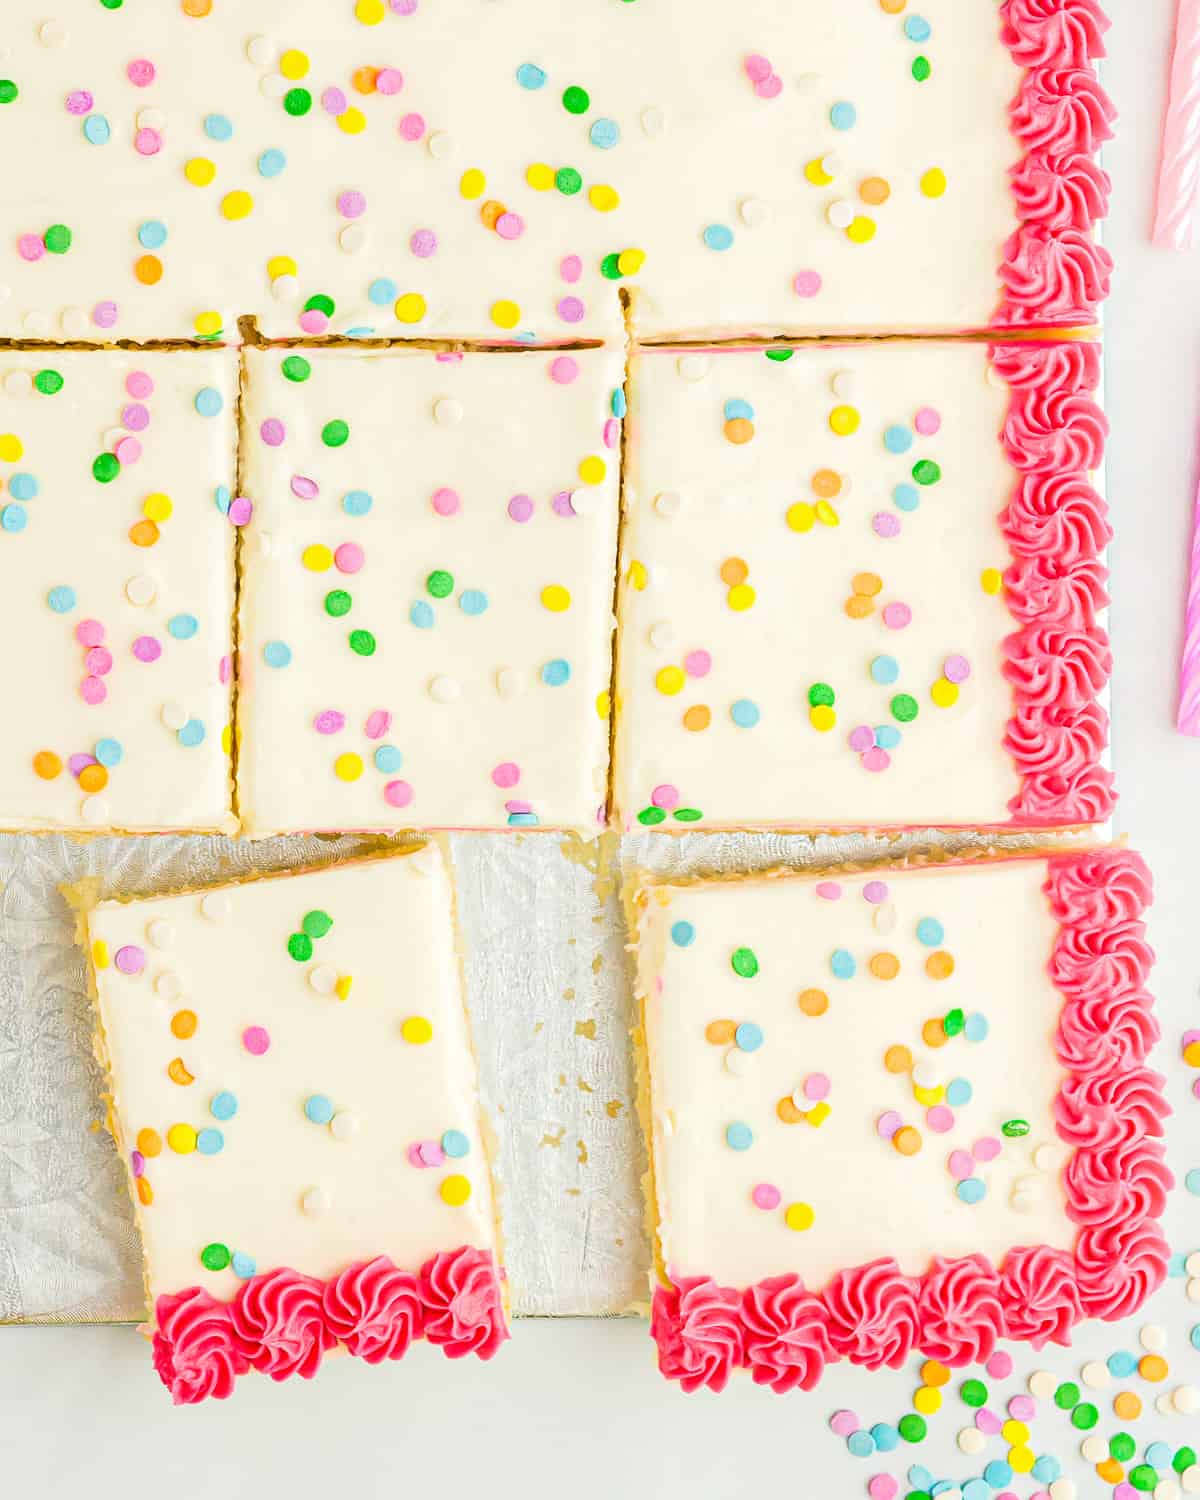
(1056, 516)
(961, 1315)
(1101, 961)
(196, 1350)
(1054, 430)
(1065, 192)
(697, 1326)
(1084, 797)
(374, 1309)
(1106, 1032)
(1118, 1267)
(786, 1337)
(463, 1308)
(281, 1323)
(1117, 1182)
(1061, 33)
(1052, 279)
(1104, 1109)
(1065, 366)
(1044, 588)
(1054, 666)
(1062, 110)
(872, 1314)
(1098, 888)
(1039, 1295)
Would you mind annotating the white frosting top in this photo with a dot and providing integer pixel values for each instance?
(838, 539)
(313, 1191)
(867, 1199)
(117, 602)
(427, 605)
(467, 168)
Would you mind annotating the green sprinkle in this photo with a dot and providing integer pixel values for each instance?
(319, 302)
(1067, 1395)
(335, 433)
(921, 69)
(297, 102)
(1184, 1459)
(649, 816)
(337, 603)
(362, 643)
(780, 356)
(296, 368)
(904, 708)
(57, 239)
(575, 100)
(112, 4)
(973, 1392)
(568, 181)
(300, 947)
(49, 382)
(1014, 1128)
(316, 923)
(1143, 1477)
(821, 695)
(610, 267)
(744, 962)
(106, 467)
(1121, 1446)
(215, 1257)
(440, 583)
(911, 1427)
(687, 815)
(8, 91)
(918, 1495)
(1085, 1416)
(953, 1022)
(925, 471)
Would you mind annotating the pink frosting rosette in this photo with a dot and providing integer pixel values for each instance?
(280, 1323)
(196, 1350)
(1056, 33)
(1039, 1295)
(961, 1315)
(374, 1309)
(463, 1308)
(872, 1313)
(1061, 111)
(697, 1327)
(787, 1339)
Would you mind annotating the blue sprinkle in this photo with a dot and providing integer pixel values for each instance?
(930, 932)
(885, 1436)
(61, 599)
(271, 162)
(748, 1037)
(319, 1109)
(917, 29)
(737, 408)
(843, 115)
(152, 235)
(14, 518)
(971, 1190)
(556, 672)
(223, 1105)
(455, 1143)
(977, 1489)
(23, 487)
(1121, 1364)
(897, 439)
(109, 752)
(718, 236)
(683, 934)
(887, 736)
(745, 714)
(1159, 1455)
(842, 964)
(96, 130)
(861, 1444)
(209, 1141)
(906, 497)
(522, 820)
(604, 133)
(739, 1137)
(388, 759)
(958, 1093)
(357, 503)
(183, 627)
(421, 615)
(223, 498)
(919, 1477)
(885, 670)
(530, 76)
(359, 331)
(975, 1027)
(383, 291)
(998, 1473)
(1192, 1182)
(1195, 1336)
(277, 654)
(1177, 1265)
(1046, 1469)
(619, 404)
(209, 401)
(472, 601)
(218, 127)
(192, 734)
(243, 1265)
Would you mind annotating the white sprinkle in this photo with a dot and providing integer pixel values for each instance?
(74, 322)
(1190, 1480)
(1166, 1489)
(18, 383)
(285, 288)
(353, 238)
(1153, 1336)
(345, 1125)
(970, 1440)
(151, 118)
(112, 437)
(447, 412)
(667, 504)
(1186, 1398)
(160, 933)
(173, 715)
(1096, 1374)
(1163, 1406)
(167, 986)
(323, 978)
(509, 682)
(840, 214)
(273, 85)
(738, 1062)
(653, 121)
(662, 635)
(94, 810)
(1193, 1289)
(885, 917)
(1049, 1158)
(584, 502)
(693, 367)
(445, 689)
(262, 51)
(1042, 1384)
(1062, 1489)
(440, 145)
(141, 589)
(216, 906)
(52, 34)
(845, 384)
(315, 1203)
(1192, 1264)
(1094, 1448)
(925, 1075)
(1020, 1203)
(753, 212)
(36, 324)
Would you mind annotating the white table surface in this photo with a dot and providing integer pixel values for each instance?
(576, 1406)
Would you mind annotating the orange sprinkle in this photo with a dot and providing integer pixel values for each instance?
(47, 765)
(1191, 1054)
(787, 1111)
(720, 1033)
(183, 1024)
(93, 778)
(1127, 1405)
(177, 1072)
(933, 1033)
(1153, 1367)
(144, 1191)
(897, 1059)
(884, 965)
(739, 430)
(814, 1002)
(196, 8)
(491, 211)
(939, 965)
(149, 1142)
(874, 190)
(934, 1373)
(907, 1140)
(1110, 1471)
(866, 583)
(826, 484)
(148, 269)
(143, 533)
(364, 79)
(698, 717)
(734, 570)
(859, 606)
(892, 7)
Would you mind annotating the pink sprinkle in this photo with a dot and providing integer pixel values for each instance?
(431, 1153)
(757, 67)
(510, 226)
(256, 1040)
(411, 127)
(940, 1118)
(1189, 1037)
(987, 1148)
(349, 557)
(844, 1422)
(888, 1123)
(403, 7)
(305, 488)
(389, 81)
(956, 669)
(78, 763)
(138, 1163)
(698, 663)
(89, 632)
(334, 102)
(398, 794)
(882, 1487)
(1000, 1366)
(135, 416)
(130, 959)
(570, 268)
(516, 806)
(147, 142)
(806, 283)
(224, 669)
(414, 1155)
(875, 891)
(80, 102)
(379, 721)
(423, 243)
(564, 369)
(520, 508)
(612, 432)
(829, 890)
(272, 432)
(665, 796)
(816, 1086)
(104, 315)
(766, 1195)
(571, 309)
(147, 648)
(876, 759)
(961, 1164)
(313, 320)
(352, 204)
(1022, 1408)
(139, 385)
(240, 511)
(861, 738)
(98, 661)
(128, 450)
(927, 421)
(885, 523)
(561, 504)
(329, 721)
(769, 88)
(987, 1421)
(140, 72)
(897, 616)
(92, 690)
(506, 774)
(30, 247)
(446, 502)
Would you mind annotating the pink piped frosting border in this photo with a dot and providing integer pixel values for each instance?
(1053, 271)
(1109, 1110)
(282, 1323)
(1058, 661)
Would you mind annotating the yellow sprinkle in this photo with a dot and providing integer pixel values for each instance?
(844, 420)
(540, 176)
(861, 230)
(826, 514)
(818, 1114)
(281, 265)
(505, 314)
(933, 183)
(318, 558)
(417, 1030)
(927, 1098)
(556, 598)
(801, 516)
(603, 198)
(991, 580)
(944, 693)
(236, 205)
(410, 308)
(100, 953)
(348, 767)
(157, 507)
(603, 705)
(293, 64)
(342, 988)
(638, 577)
(200, 171)
(455, 1190)
(822, 717)
(670, 680)
(1014, 1432)
(181, 1139)
(741, 597)
(207, 323)
(816, 173)
(352, 121)
(1021, 1459)
(799, 1216)
(10, 447)
(472, 183)
(369, 12)
(926, 1400)
(227, 738)
(631, 261)
(592, 470)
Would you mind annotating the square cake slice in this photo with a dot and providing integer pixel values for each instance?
(116, 551)
(293, 1088)
(863, 585)
(427, 590)
(898, 1109)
